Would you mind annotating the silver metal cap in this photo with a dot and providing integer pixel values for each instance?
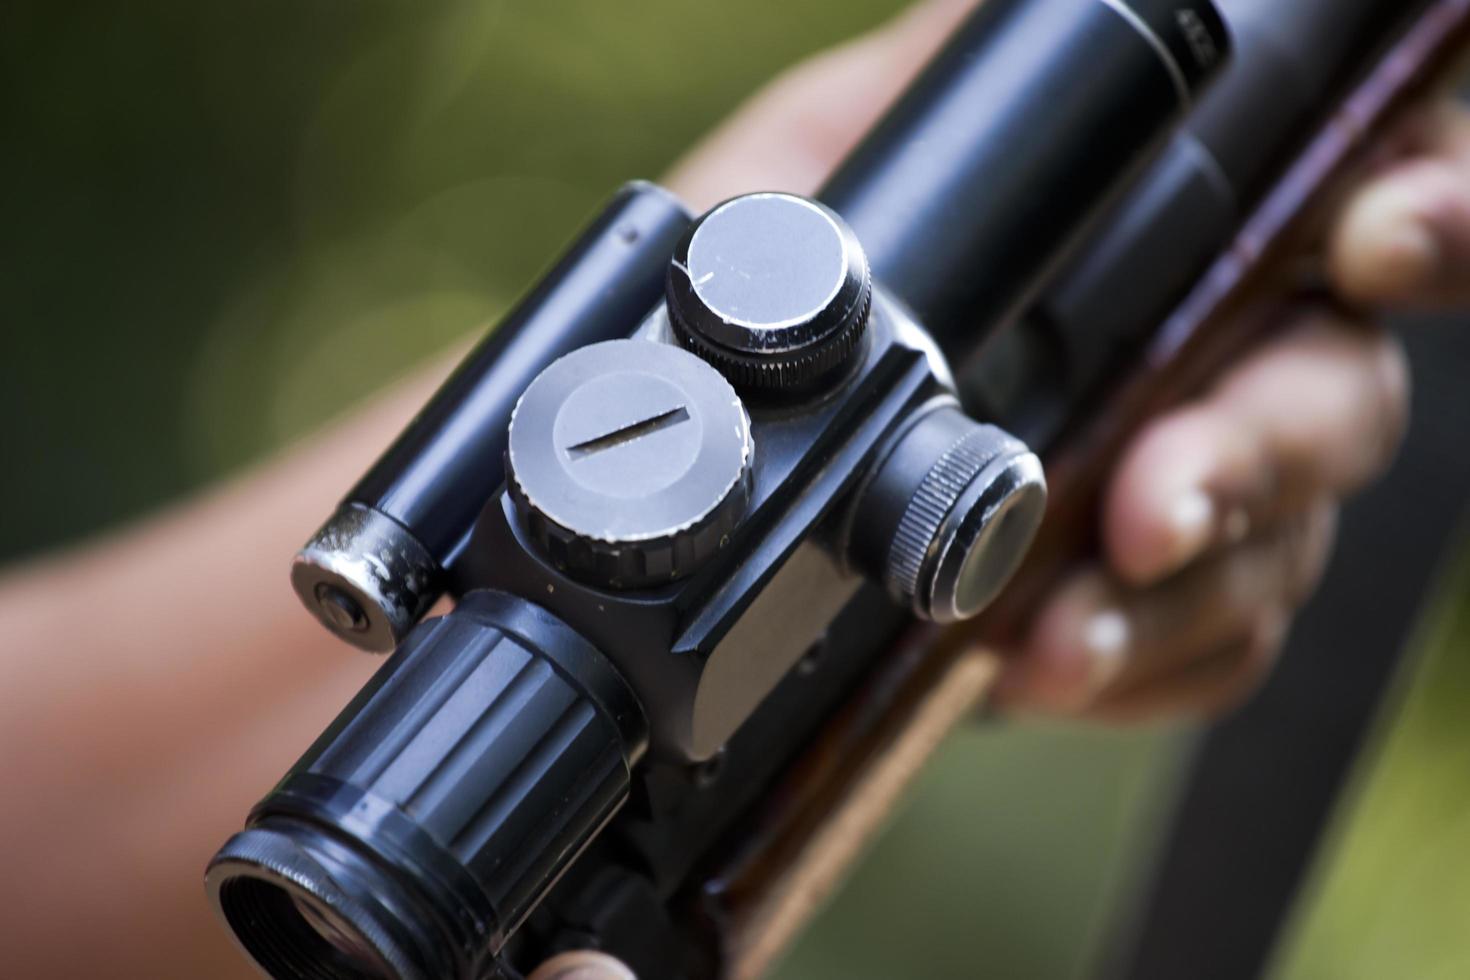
(365, 578)
(968, 525)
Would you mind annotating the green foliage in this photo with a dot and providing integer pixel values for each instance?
(1007, 862)
(226, 222)
(1392, 897)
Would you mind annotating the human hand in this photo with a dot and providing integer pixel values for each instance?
(1219, 518)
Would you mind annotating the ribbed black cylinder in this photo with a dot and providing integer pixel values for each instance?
(442, 803)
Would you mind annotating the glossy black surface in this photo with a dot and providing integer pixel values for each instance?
(1292, 61)
(973, 186)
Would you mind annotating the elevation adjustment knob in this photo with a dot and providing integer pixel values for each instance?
(949, 515)
(772, 289)
(629, 463)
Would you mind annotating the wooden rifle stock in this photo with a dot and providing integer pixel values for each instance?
(794, 850)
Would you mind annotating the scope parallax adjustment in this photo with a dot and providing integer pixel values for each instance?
(629, 463)
(949, 515)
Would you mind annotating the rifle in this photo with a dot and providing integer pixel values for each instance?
(719, 586)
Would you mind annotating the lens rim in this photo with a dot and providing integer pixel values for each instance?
(254, 883)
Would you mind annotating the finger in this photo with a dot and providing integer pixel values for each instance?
(1404, 237)
(1329, 401)
(792, 133)
(1318, 412)
(582, 965)
(1184, 487)
(1207, 687)
(1098, 636)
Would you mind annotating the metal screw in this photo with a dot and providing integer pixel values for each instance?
(343, 610)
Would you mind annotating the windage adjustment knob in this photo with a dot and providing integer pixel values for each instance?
(949, 515)
(629, 463)
(772, 289)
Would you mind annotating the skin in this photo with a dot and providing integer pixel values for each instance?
(155, 683)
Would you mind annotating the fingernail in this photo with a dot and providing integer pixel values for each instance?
(1192, 524)
(1106, 639)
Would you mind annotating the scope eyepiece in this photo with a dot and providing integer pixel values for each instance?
(303, 907)
(439, 807)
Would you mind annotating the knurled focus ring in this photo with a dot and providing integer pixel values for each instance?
(637, 564)
(778, 369)
(932, 503)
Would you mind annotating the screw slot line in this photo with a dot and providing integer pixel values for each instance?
(629, 433)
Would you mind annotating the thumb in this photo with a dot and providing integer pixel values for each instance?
(582, 965)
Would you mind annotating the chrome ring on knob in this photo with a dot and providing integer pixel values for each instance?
(949, 515)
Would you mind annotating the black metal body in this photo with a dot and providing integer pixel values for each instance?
(1148, 250)
(688, 649)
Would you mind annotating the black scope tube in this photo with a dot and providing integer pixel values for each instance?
(1037, 111)
(385, 556)
(1293, 63)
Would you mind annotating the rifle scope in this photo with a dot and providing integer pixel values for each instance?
(647, 518)
(1290, 62)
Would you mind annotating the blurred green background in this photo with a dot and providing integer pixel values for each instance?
(225, 223)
